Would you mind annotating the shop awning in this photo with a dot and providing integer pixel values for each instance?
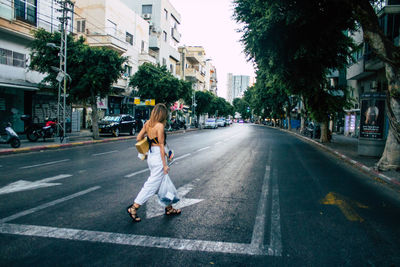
(19, 84)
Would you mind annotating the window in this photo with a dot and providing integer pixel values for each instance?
(171, 68)
(18, 60)
(147, 9)
(8, 57)
(142, 47)
(164, 62)
(165, 36)
(128, 71)
(129, 38)
(5, 56)
(166, 14)
(80, 25)
(25, 10)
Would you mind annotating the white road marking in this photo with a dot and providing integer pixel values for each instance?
(131, 240)
(46, 205)
(201, 149)
(104, 153)
(44, 164)
(145, 170)
(257, 239)
(154, 209)
(275, 246)
(23, 185)
(184, 156)
(136, 173)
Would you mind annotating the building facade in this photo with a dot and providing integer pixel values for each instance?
(368, 83)
(237, 85)
(164, 36)
(111, 24)
(19, 91)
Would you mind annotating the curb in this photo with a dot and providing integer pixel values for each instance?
(357, 164)
(74, 144)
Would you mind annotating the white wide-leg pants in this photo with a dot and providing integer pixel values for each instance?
(153, 183)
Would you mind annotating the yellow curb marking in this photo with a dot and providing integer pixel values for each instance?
(335, 199)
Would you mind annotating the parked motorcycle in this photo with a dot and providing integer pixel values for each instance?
(10, 137)
(34, 131)
(178, 124)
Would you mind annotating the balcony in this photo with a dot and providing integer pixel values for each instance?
(145, 57)
(107, 40)
(372, 62)
(154, 43)
(193, 58)
(194, 75)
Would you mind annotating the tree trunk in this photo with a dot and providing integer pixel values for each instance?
(324, 132)
(289, 124)
(390, 55)
(95, 125)
(302, 123)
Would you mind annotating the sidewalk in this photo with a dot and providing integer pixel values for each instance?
(346, 148)
(81, 138)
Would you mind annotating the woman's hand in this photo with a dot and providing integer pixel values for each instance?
(166, 169)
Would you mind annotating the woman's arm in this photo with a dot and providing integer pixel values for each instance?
(161, 140)
(142, 132)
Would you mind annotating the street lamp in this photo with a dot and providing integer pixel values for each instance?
(62, 76)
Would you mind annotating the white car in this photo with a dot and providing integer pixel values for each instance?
(211, 123)
(221, 122)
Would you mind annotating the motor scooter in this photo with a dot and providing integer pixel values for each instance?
(10, 137)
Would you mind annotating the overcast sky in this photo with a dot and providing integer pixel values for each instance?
(209, 23)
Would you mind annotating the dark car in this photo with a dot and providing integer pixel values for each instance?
(117, 124)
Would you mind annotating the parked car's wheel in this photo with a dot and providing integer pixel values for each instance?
(133, 131)
(116, 132)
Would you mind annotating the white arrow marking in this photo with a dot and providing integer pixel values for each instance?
(154, 208)
(23, 185)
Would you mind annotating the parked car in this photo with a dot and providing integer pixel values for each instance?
(211, 123)
(117, 124)
(228, 121)
(221, 122)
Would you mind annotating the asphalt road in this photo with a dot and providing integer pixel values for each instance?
(250, 196)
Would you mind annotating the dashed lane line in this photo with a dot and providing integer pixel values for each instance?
(105, 153)
(44, 164)
(201, 149)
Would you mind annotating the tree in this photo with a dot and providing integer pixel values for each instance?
(203, 101)
(156, 82)
(92, 70)
(305, 38)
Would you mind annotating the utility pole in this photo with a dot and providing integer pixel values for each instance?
(66, 7)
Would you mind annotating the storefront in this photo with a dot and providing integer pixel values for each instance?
(15, 100)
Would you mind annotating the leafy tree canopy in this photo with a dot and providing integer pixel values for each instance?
(156, 82)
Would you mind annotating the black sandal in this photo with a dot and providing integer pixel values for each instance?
(132, 213)
(171, 211)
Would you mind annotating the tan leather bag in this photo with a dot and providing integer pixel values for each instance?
(142, 146)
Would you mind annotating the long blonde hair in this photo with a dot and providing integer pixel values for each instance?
(158, 114)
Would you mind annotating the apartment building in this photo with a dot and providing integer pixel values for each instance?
(211, 80)
(112, 24)
(192, 66)
(237, 85)
(19, 92)
(367, 78)
(164, 36)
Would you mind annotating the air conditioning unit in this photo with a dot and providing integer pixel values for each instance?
(147, 16)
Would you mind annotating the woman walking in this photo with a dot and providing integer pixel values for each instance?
(153, 130)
